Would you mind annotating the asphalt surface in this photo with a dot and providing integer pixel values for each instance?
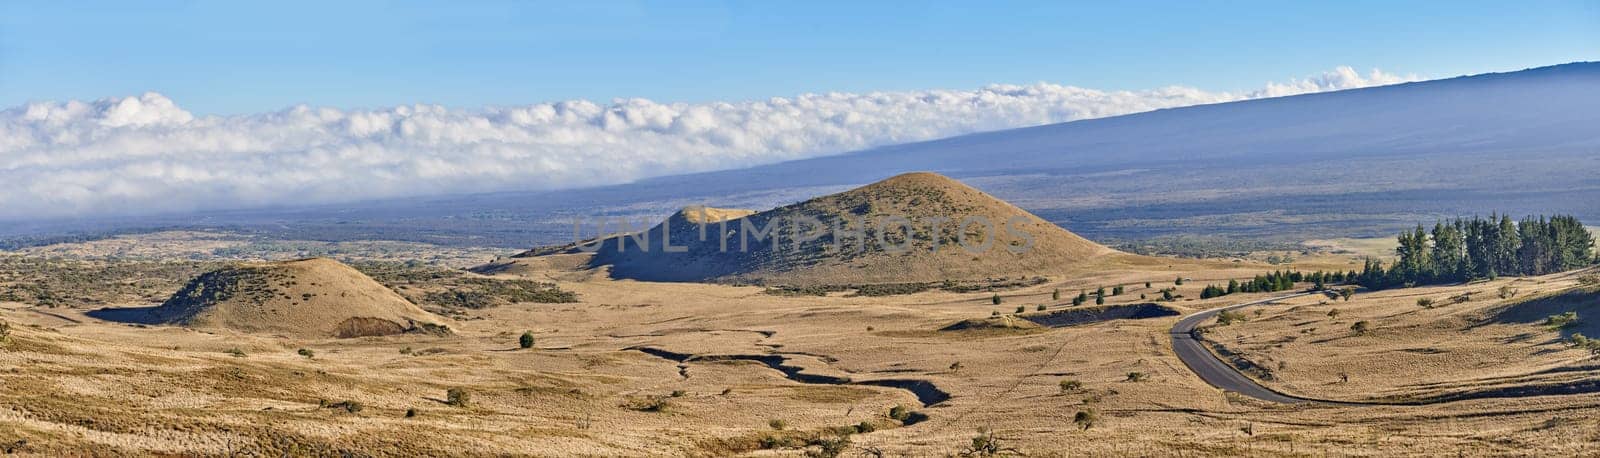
(1211, 368)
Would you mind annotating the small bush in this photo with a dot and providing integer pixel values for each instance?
(777, 425)
(1086, 418)
(306, 352)
(1333, 313)
(1581, 341)
(348, 406)
(1227, 317)
(649, 404)
(995, 299)
(1040, 308)
(236, 352)
(1425, 302)
(1137, 376)
(458, 397)
(828, 447)
(987, 444)
(526, 341)
(1562, 321)
(1589, 280)
(1507, 292)
(865, 427)
(411, 412)
(1361, 327)
(899, 413)
(5, 333)
(1021, 309)
(1068, 386)
(955, 366)
(679, 393)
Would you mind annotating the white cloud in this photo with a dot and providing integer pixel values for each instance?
(146, 154)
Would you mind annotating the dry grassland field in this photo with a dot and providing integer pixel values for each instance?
(551, 353)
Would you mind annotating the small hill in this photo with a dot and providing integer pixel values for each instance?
(853, 237)
(306, 298)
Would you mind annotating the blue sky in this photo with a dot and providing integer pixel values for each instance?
(234, 57)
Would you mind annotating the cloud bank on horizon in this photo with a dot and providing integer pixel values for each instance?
(146, 154)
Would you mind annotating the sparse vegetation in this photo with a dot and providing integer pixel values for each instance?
(1227, 317)
(1425, 302)
(1561, 321)
(1584, 342)
(777, 425)
(526, 341)
(1361, 328)
(1507, 292)
(995, 299)
(1070, 386)
(1086, 418)
(1137, 376)
(458, 397)
(987, 444)
(236, 352)
(306, 352)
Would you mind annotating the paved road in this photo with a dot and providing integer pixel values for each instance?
(1212, 369)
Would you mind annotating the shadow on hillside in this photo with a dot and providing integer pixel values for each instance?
(130, 315)
(1584, 302)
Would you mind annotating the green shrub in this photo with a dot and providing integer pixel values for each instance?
(236, 352)
(1227, 317)
(411, 412)
(1425, 302)
(1581, 341)
(526, 341)
(1021, 309)
(899, 413)
(1040, 307)
(1507, 292)
(1137, 376)
(1562, 321)
(1361, 327)
(995, 299)
(1086, 418)
(1068, 386)
(306, 352)
(777, 425)
(458, 397)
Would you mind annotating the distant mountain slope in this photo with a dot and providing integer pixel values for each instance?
(998, 240)
(1526, 112)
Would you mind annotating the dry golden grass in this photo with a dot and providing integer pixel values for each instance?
(75, 385)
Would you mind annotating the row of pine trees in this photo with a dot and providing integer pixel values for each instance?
(1281, 280)
(1476, 248)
